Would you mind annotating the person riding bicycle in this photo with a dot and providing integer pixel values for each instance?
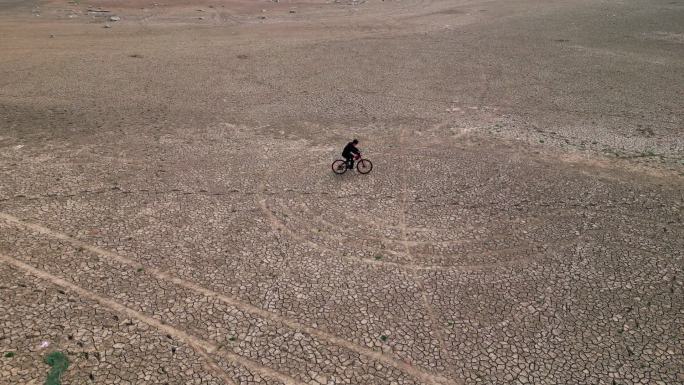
(350, 152)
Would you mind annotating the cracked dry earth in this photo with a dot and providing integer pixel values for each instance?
(168, 214)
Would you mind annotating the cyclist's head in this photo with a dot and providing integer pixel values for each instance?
(355, 141)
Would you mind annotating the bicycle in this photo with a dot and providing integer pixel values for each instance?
(363, 166)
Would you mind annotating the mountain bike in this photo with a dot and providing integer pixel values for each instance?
(363, 166)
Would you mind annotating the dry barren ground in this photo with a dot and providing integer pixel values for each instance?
(168, 214)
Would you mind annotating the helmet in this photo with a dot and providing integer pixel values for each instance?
(355, 141)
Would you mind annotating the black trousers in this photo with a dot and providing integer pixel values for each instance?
(350, 161)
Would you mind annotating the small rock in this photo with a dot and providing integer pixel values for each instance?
(114, 18)
(107, 26)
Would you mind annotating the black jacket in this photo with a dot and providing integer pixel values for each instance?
(349, 149)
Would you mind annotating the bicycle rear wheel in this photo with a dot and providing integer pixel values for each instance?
(339, 167)
(364, 166)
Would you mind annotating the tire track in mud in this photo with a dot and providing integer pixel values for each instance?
(441, 339)
(529, 219)
(202, 347)
(277, 225)
(206, 346)
(533, 250)
(280, 225)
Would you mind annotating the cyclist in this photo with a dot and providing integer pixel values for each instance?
(350, 152)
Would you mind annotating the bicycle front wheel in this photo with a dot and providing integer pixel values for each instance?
(339, 167)
(364, 166)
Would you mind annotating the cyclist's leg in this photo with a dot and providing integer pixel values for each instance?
(350, 162)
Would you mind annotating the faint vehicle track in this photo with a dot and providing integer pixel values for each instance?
(435, 325)
(208, 347)
(202, 347)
